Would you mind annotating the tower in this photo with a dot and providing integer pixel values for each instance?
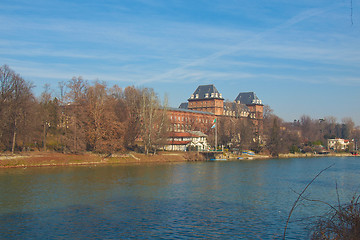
(206, 98)
(255, 106)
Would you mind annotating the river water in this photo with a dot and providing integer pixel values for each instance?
(212, 200)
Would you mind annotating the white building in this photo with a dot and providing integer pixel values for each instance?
(183, 141)
(338, 144)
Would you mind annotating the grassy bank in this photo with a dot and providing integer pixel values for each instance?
(46, 159)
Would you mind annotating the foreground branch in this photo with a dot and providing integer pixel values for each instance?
(300, 196)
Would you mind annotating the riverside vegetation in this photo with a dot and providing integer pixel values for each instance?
(85, 117)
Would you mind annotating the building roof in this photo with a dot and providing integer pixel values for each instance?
(190, 111)
(248, 98)
(233, 106)
(184, 105)
(205, 92)
(189, 134)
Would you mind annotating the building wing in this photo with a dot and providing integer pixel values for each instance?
(206, 92)
(248, 98)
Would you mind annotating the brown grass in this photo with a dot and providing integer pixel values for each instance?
(39, 159)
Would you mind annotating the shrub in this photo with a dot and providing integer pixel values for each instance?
(294, 149)
(342, 222)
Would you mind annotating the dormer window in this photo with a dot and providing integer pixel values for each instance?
(197, 96)
(192, 96)
(206, 95)
(220, 95)
(212, 95)
(216, 95)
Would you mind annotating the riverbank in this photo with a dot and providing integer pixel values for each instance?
(48, 159)
(310, 155)
(285, 155)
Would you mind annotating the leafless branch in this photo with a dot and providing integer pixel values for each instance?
(300, 197)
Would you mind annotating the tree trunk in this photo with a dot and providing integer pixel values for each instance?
(14, 141)
(75, 137)
(44, 144)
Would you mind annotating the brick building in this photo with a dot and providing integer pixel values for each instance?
(207, 103)
(207, 98)
(183, 120)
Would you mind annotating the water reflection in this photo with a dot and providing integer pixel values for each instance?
(185, 200)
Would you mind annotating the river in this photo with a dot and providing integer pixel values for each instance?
(212, 200)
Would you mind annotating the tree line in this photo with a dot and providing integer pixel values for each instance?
(306, 134)
(95, 117)
(85, 117)
(278, 136)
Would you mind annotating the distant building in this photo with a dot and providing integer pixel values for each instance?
(207, 103)
(184, 120)
(338, 144)
(206, 98)
(183, 141)
(252, 102)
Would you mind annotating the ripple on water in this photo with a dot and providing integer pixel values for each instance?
(248, 200)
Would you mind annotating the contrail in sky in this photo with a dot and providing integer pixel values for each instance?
(178, 71)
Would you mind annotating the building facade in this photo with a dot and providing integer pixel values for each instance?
(207, 103)
(184, 141)
(338, 144)
(184, 120)
(207, 98)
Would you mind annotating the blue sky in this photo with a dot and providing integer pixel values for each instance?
(300, 57)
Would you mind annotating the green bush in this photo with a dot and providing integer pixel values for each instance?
(294, 149)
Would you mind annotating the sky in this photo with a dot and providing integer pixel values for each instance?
(299, 57)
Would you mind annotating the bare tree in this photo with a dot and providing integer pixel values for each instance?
(132, 97)
(74, 114)
(274, 142)
(45, 101)
(104, 128)
(153, 121)
(347, 128)
(16, 102)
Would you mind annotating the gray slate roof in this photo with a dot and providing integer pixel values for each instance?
(206, 92)
(184, 105)
(248, 98)
(233, 106)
